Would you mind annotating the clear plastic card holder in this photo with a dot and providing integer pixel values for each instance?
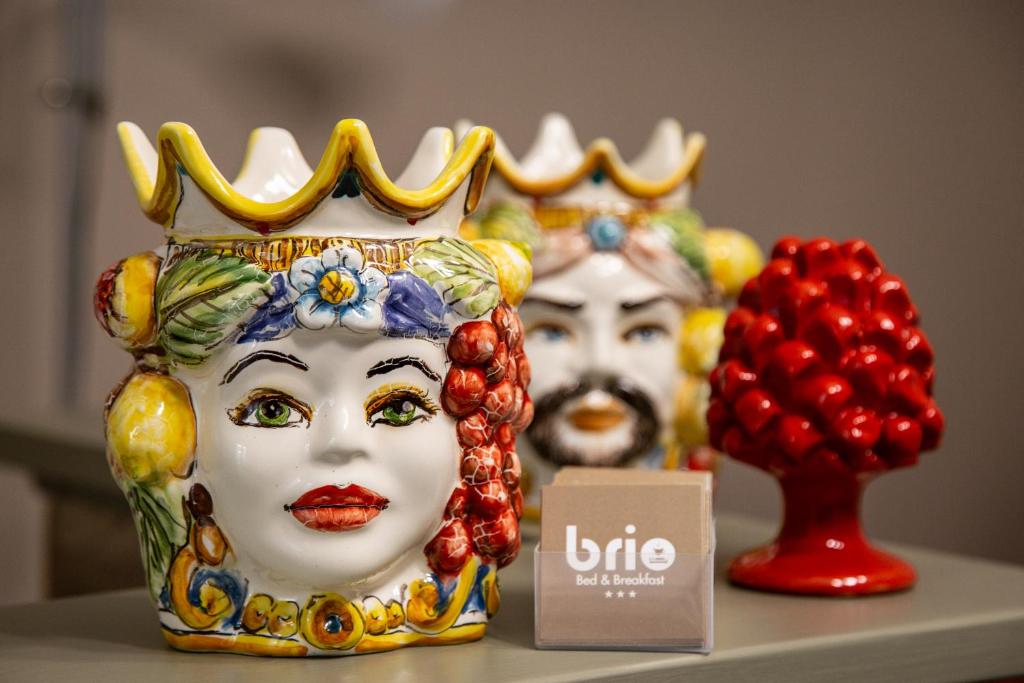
(653, 600)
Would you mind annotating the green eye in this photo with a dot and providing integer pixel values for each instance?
(399, 413)
(271, 409)
(399, 406)
(272, 413)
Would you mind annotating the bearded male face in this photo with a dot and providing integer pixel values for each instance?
(601, 336)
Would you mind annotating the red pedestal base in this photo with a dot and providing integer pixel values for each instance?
(821, 549)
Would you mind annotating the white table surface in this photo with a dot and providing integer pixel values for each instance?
(963, 621)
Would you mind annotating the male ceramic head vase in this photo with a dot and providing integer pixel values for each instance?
(624, 318)
(317, 439)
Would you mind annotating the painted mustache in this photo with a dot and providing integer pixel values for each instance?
(337, 508)
(545, 431)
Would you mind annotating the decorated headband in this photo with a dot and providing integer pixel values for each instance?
(567, 202)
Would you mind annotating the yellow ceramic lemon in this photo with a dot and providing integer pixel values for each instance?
(691, 405)
(733, 258)
(512, 260)
(469, 229)
(700, 339)
(128, 312)
(151, 429)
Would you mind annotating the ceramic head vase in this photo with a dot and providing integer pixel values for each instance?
(317, 439)
(624, 318)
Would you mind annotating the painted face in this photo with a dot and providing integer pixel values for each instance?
(601, 337)
(326, 453)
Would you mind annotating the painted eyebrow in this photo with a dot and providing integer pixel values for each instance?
(394, 363)
(571, 306)
(637, 305)
(274, 356)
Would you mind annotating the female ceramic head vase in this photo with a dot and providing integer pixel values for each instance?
(318, 437)
(623, 321)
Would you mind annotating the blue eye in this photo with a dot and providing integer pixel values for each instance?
(551, 332)
(645, 334)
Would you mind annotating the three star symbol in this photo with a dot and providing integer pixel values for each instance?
(619, 594)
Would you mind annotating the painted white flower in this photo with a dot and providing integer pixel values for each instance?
(335, 289)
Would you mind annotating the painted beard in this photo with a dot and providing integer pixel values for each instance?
(599, 422)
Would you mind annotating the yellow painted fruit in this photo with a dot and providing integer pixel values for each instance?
(284, 619)
(126, 310)
(396, 615)
(424, 609)
(376, 616)
(256, 612)
(208, 541)
(692, 396)
(213, 603)
(469, 229)
(512, 259)
(733, 258)
(151, 430)
(330, 622)
(700, 340)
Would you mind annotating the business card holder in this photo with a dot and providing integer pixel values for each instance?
(656, 599)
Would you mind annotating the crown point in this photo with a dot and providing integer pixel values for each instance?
(273, 168)
(140, 157)
(555, 151)
(429, 159)
(462, 127)
(665, 151)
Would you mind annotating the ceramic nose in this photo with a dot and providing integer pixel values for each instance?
(340, 456)
(601, 355)
(340, 436)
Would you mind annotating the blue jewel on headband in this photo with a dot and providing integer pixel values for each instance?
(606, 232)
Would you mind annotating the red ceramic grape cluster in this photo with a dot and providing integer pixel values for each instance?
(485, 391)
(823, 366)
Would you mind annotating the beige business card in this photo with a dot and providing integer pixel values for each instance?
(625, 560)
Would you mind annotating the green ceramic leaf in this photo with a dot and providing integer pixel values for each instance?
(202, 298)
(160, 533)
(684, 228)
(462, 275)
(512, 222)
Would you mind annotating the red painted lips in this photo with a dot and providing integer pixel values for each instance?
(337, 508)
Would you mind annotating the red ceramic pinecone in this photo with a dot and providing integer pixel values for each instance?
(485, 391)
(823, 366)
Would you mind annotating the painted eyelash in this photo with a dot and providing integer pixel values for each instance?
(646, 325)
(389, 392)
(548, 323)
(239, 413)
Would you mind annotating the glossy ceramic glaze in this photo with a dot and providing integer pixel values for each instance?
(825, 381)
(624, 319)
(317, 439)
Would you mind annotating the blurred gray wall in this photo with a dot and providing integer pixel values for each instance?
(902, 123)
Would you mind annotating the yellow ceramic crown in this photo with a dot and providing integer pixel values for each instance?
(557, 170)
(347, 194)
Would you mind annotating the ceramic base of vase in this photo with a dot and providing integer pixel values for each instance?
(864, 571)
(821, 548)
